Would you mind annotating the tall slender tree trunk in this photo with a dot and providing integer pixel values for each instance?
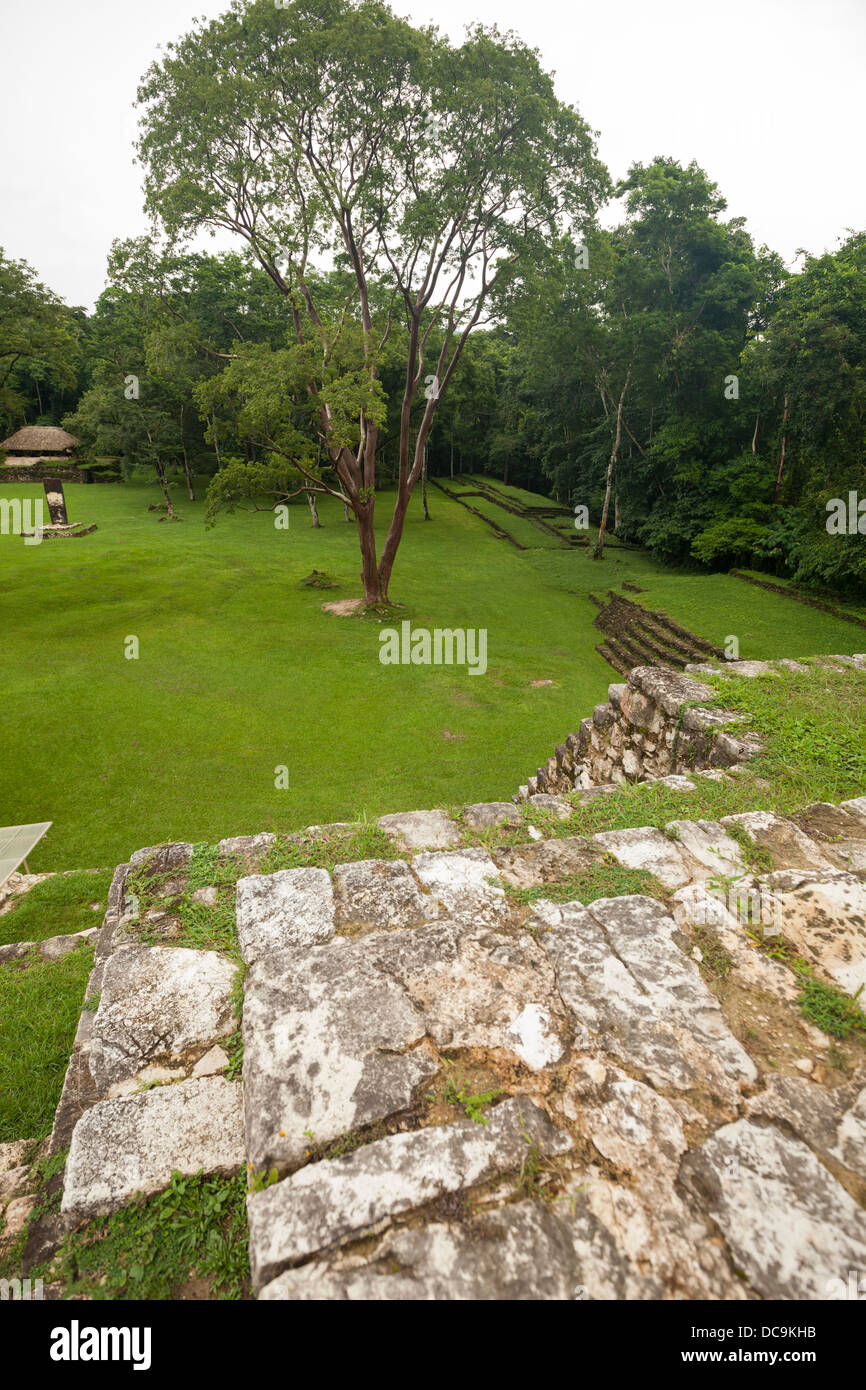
(598, 549)
(311, 499)
(452, 450)
(186, 473)
(163, 482)
(782, 454)
(216, 443)
(374, 590)
(755, 435)
(424, 485)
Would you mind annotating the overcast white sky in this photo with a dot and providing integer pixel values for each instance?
(767, 95)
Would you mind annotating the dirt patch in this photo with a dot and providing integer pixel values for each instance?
(343, 607)
(536, 685)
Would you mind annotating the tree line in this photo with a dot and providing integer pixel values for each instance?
(422, 283)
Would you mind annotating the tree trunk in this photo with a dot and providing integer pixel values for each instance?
(452, 450)
(375, 591)
(598, 549)
(346, 512)
(163, 482)
(189, 487)
(216, 443)
(782, 454)
(424, 485)
(755, 435)
(311, 499)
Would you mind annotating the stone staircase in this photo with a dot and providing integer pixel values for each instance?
(638, 636)
(453, 1087)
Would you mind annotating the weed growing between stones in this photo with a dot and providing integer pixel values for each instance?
(830, 1009)
(190, 1239)
(541, 1177)
(234, 1044)
(349, 1142)
(715, 960)
(48, 1196)
(756, 859)
(606, 879)
(827, 1006)
(329, 846)
(457, 1093)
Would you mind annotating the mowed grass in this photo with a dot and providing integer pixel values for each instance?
(66, 903)
(40, 1002)
(241, 673)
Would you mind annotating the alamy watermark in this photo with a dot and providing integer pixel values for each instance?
(846, 518)
(443, 646)
(854, 1288)
(752, 908)
(77, 1343)
(17, 518)
(21, 1290)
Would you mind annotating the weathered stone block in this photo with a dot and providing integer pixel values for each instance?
(328, 1203)
(414, 830)
(293, 907)
(158, 1001)
(126, 1148)
(644, 847)
(790, 1226)
(380, 895)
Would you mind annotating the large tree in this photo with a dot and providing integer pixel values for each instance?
(39, 346)
(327, 130)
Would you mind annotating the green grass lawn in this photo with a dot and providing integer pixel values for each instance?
(65, 903)
(40, 1002)
(241, 672)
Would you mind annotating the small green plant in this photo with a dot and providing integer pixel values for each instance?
(838, 1059)
(234, 1049)
(830, 1009)
(716, 961)
(149, 1250)
(257, 1182)
(541, 1176)
(457, 1093)
(825, 1005)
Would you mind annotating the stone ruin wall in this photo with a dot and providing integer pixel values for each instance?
(646, 729)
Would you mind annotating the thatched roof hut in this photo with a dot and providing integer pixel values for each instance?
(40, 441)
